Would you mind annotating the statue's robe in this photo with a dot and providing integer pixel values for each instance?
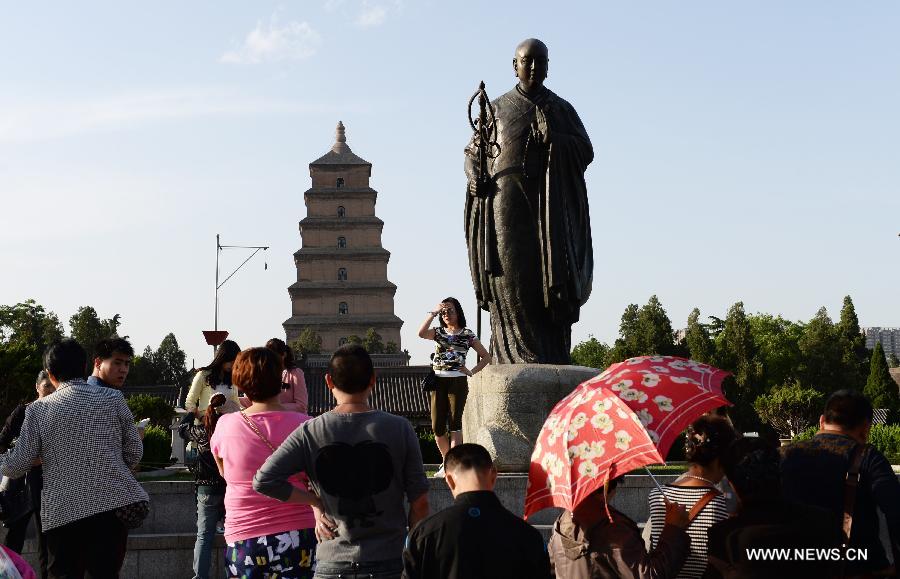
(528, 232)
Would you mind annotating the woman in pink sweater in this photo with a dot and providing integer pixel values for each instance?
(276, 538)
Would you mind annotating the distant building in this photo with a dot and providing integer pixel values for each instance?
(342, 287)
(889, 338)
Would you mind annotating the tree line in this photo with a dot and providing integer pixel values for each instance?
(308, 342)
(778, 366)
(27, 328)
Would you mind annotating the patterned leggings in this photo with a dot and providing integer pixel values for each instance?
(287, 555)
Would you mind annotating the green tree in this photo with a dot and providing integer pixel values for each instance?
(735, 348)
(716, 326)
(307, 342)
(880, 387)
(170, 361)
(144, 369)
(777, 350)
(26, 329)
(854, 355)
(699, 344)
(821, 361)
(19, 367)
(626, 345)
(790, 409)
(354, 339)
(87, 328)
(736, 352)
(28, 323)
(591, 353)
(391, 347)
(372, 342)
(643, 332)
(654, 330)
(893, 360)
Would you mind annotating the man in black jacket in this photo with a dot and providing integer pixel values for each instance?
(815, 472)
(476, 537)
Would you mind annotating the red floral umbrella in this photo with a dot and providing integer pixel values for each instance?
(666, 392)
(590, 437)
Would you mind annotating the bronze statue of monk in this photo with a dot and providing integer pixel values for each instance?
(528, 229)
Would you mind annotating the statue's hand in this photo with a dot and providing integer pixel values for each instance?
(540, 126)
(478, 188)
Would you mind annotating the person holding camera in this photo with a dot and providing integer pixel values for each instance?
(208, 483)
(448, 400)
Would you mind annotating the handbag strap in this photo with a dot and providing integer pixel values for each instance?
(701, 504)
(851, 485)
(254, 428)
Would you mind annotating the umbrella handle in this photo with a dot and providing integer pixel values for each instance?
(656, 482)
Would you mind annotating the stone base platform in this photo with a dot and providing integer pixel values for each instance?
(508, 404)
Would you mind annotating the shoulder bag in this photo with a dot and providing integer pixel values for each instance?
(429, 382)
(701, 504)
(256, 431)
(133, 515)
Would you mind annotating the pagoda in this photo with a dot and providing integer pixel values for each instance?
(342, 288)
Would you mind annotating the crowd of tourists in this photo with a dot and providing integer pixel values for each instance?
(345, 494)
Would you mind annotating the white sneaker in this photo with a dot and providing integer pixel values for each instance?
(440, 472)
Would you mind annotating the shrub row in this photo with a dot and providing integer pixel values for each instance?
(884, 437)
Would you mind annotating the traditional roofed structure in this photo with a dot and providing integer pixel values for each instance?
(342, 287)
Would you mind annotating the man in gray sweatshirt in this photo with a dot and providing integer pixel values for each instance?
(362, 463)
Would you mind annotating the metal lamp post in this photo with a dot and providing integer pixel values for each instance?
(215, 337)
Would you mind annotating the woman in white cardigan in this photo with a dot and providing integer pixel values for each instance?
(214, 378)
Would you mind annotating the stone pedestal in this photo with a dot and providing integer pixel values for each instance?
(507, 406)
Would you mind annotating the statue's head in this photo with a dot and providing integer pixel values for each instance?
(531, 63)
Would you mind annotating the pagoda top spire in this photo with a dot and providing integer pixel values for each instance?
(340, 153)
(340, 140)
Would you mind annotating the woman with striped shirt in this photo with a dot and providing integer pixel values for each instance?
(708, 439)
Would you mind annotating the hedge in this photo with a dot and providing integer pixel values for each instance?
(157, 448)
(155, 408)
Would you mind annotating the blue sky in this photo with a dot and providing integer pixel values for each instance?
(743, 151)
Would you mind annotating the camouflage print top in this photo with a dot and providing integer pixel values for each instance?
(450, 351)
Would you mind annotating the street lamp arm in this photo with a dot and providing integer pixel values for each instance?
(240, 266)
(219, 248)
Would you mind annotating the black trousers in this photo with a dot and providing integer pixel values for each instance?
(93, 548)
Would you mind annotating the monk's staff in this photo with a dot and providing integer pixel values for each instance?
(485, 141)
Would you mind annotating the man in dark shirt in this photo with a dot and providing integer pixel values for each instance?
(476, 537)
(112, 360)
(814, 472)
